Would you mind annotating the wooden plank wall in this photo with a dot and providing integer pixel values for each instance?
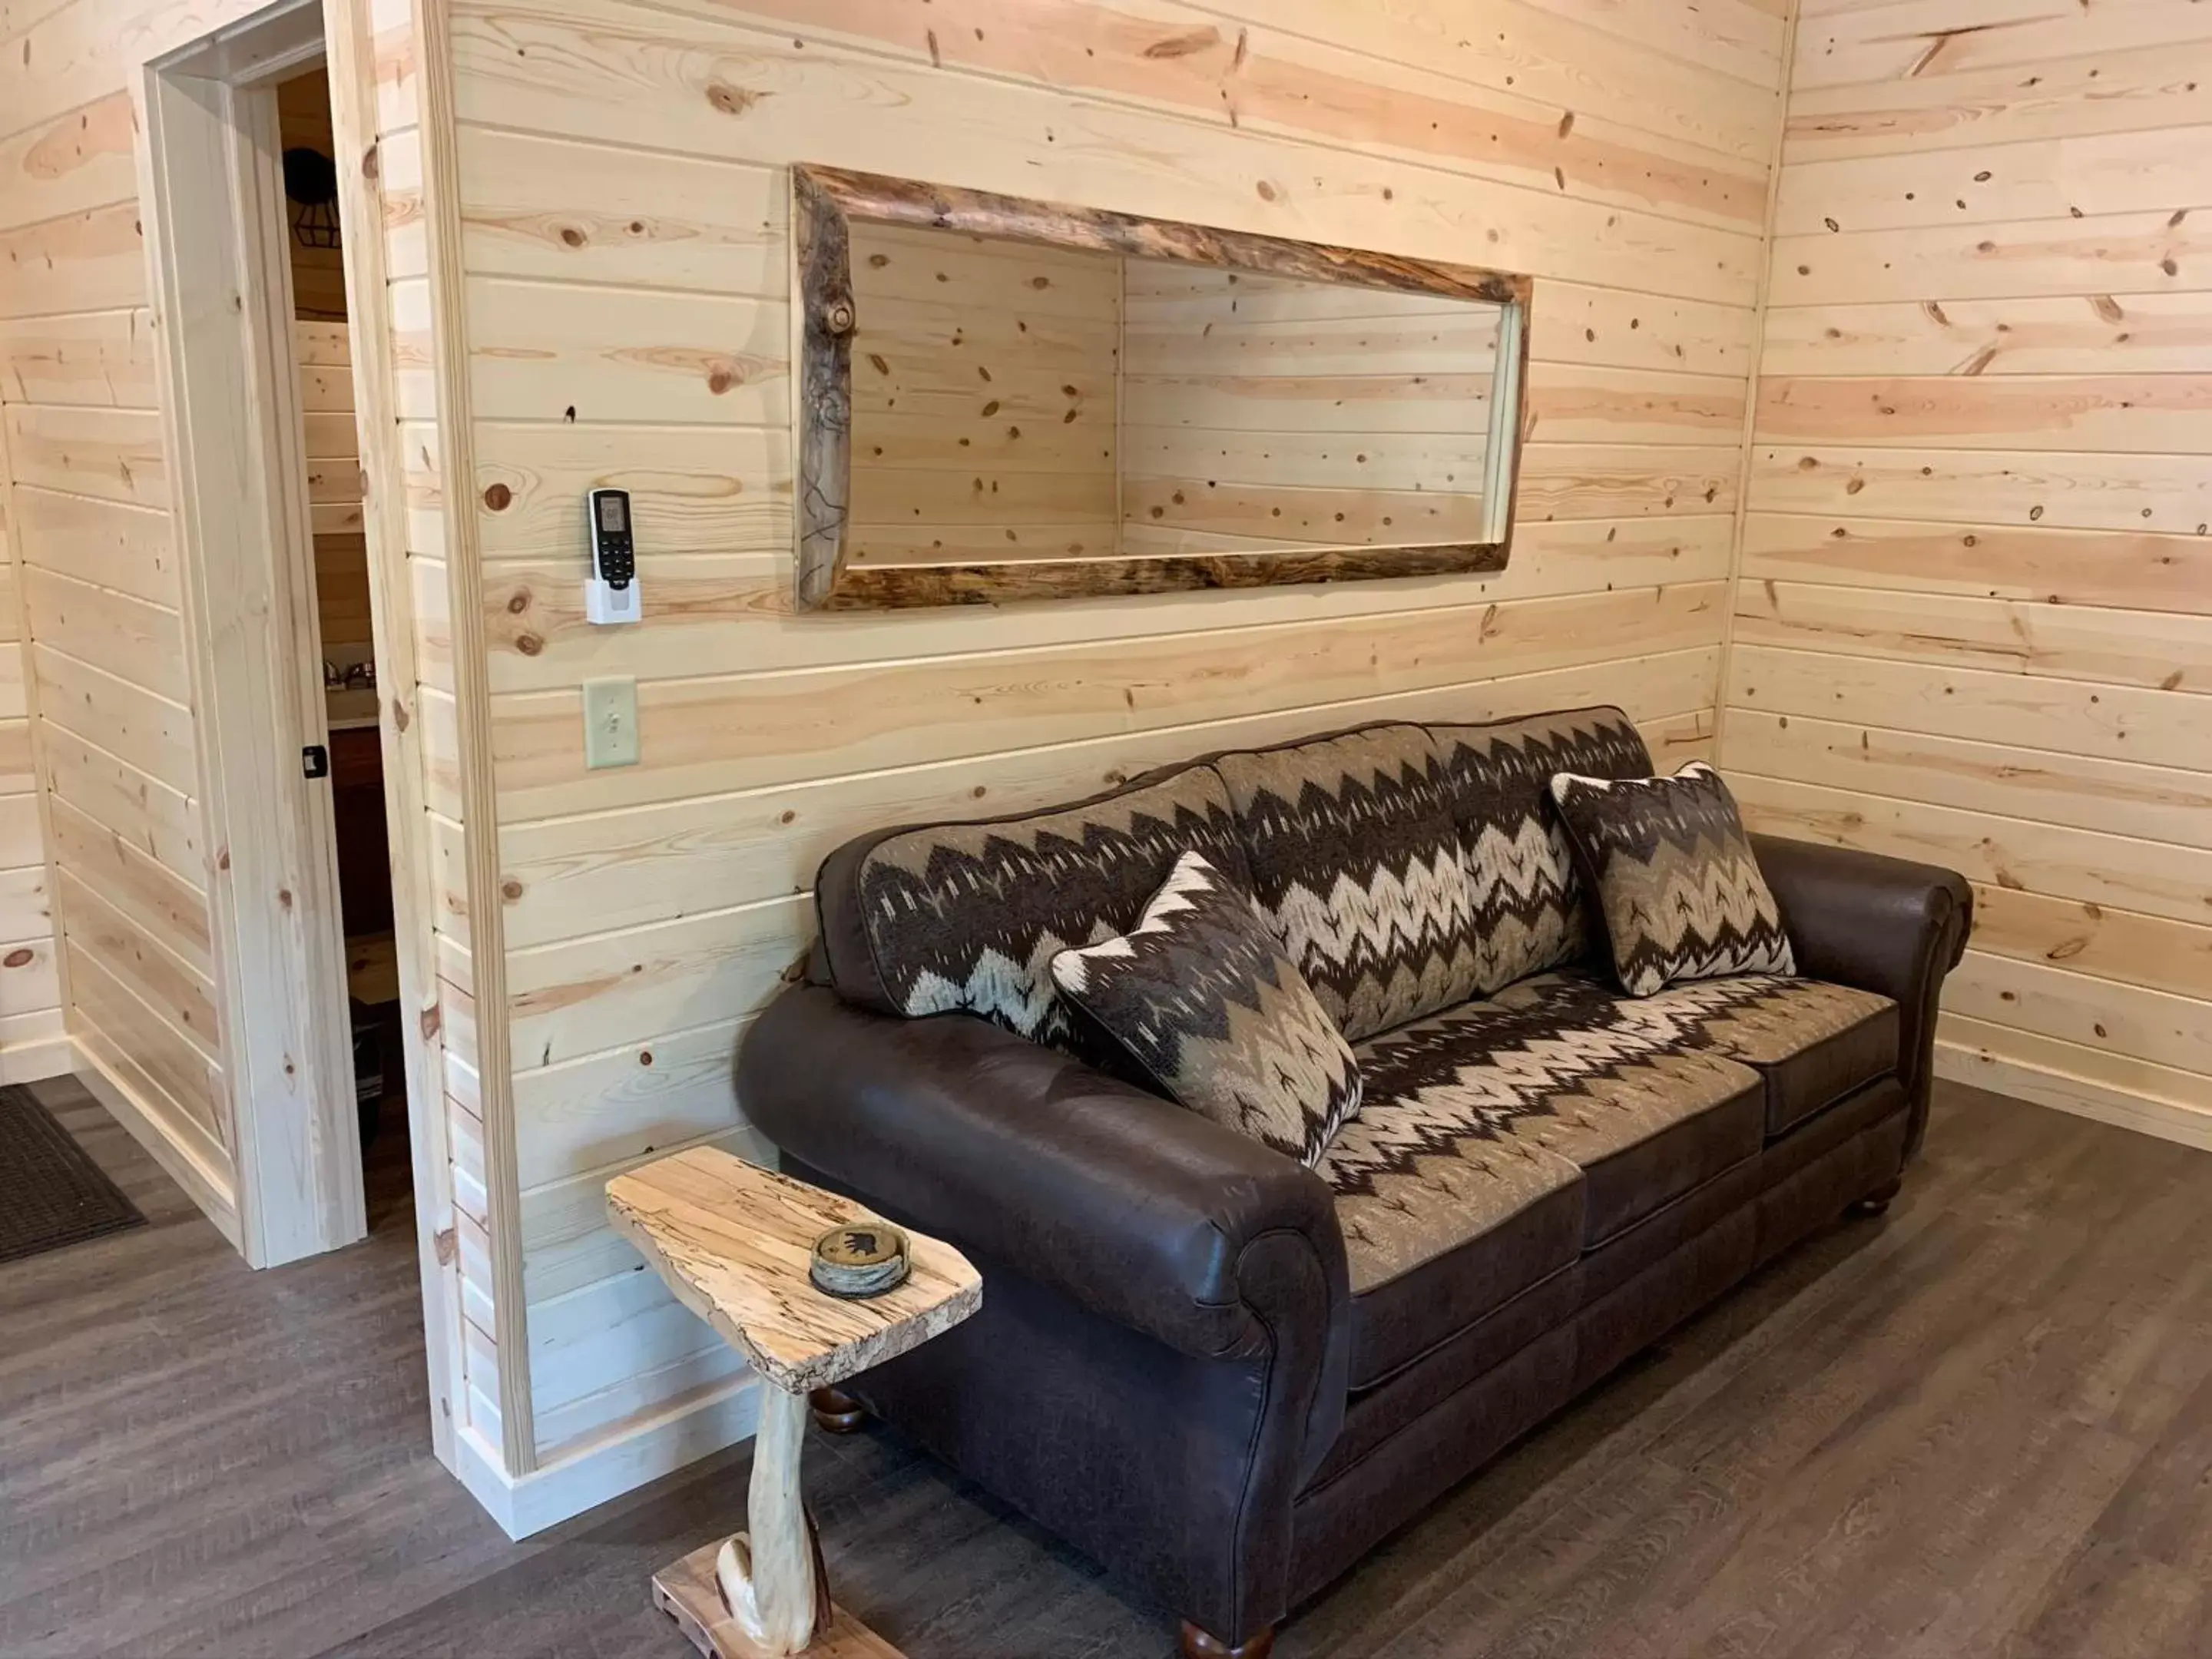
(1975, 622)
(31, 1042)
(90, 530)
(626, 280)
(334, 484)
(99, 585)
(303, 115)
(984, 379)
(1261, 411)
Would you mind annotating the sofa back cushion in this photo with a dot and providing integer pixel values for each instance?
(1525, 912)
(1354, 859)
(967, 917)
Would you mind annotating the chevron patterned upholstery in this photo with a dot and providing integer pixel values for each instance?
(1558, 1064)
(1355, 863)
(968, 916)
(1525, 909)
(1212, 1013)
(1675, 875)
(1473, 1121)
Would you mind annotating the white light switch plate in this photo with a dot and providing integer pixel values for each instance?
(609, 723)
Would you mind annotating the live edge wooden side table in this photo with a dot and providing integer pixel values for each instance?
(734, 1241)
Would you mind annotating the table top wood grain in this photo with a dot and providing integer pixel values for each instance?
(733, 1241)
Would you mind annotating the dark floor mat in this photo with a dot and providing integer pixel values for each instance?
(51, 1194)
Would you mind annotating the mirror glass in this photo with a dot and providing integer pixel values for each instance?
(1013, 401)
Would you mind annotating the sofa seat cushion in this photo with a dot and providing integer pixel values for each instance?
(1445, 1219)
(1355, 862)
(1526, 912)
(1499, 1139)
(1562, 1062)
(1812, 1042)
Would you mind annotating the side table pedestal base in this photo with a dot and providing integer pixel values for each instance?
(687, 1591)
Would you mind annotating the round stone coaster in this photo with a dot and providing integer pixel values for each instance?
(860, 1260)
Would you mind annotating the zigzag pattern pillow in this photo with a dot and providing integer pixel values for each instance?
(1675, 878)
(967, 917)
(1201, 998)
(1526, 912)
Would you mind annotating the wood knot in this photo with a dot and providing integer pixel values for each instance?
(19, 957)
(510, 890)
(572, 236)
(518, 602)
(838, 317)
(498, 498)
(399, 716)
(371, 163)
(529, 644)
(1185, 44)
(720, 378)
(447, 1246)
(731, 100)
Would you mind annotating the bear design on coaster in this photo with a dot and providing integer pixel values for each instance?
(860, 1261)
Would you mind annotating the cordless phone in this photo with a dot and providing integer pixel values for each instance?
(610, 593)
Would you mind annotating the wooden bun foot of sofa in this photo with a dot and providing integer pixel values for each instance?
(836, 1411)
(1197, 1645)
(1877, 1200)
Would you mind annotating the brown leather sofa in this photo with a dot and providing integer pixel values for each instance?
(1227, 1377)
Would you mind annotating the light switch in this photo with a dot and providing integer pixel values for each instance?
(609, 723)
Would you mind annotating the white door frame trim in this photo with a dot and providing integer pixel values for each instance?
(217, 238)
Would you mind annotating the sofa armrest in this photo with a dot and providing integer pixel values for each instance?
(1881, 924)
(1141, 1212)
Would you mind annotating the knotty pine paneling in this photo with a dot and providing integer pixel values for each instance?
(93, 556)
(1259, 410)
(620, 184)
(91, 534)
(985, 399)
(30, 987)
(303, 115)
(1974, 618)
(333, 450)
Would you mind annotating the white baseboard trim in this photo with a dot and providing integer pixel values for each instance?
(607, 1467)
(2043, 1085)
(35, 1061)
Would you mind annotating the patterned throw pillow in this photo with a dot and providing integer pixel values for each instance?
(1674, 877)
(1202, 999)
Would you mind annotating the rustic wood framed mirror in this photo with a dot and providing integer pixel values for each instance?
(1000, 399)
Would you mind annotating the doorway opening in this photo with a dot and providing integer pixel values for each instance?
(247, 218)
(345, 645)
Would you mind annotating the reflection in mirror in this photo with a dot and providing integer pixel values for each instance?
(1035, 416)
(1263, 411)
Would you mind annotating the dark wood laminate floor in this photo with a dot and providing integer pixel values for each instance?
(1982, 1426)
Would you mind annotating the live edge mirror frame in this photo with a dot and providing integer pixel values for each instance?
(826, 200)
